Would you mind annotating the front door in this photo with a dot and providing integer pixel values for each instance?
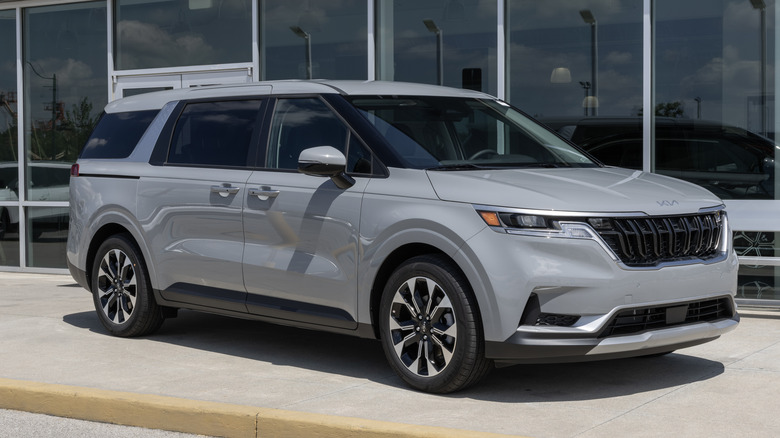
(302, 238)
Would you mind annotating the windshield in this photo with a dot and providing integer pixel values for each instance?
(445, 133)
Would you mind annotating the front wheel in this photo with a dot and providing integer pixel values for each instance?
(430, 326)
(121, 289)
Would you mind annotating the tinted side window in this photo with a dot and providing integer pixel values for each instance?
(300, 124)
(116, 135)
(214, 133)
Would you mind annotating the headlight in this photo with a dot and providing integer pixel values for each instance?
(521, 221)
(540, 225)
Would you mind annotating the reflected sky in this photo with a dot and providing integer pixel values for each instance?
(468, 34)
(707, 52)
(182, 32)
(67, 41)
(704, 49)
(338, 34)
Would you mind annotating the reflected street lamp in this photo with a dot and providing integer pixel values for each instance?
(588, 17)
(307, 37)
(585, 101)
(761, 6)
(53, 79)
(439, 56)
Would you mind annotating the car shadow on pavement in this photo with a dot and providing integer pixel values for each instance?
(363, 358)
(592, 380)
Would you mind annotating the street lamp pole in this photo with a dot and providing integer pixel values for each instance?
(432, 27)
(307, 37)
(53, 79)
(761, 6)
(588, 17)
(586, 85)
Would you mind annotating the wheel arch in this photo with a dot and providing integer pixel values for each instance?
(397, 257)
(111, 225)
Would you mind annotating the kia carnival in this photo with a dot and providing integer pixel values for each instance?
(443, 222)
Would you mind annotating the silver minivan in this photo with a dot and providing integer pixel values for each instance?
(444, 222)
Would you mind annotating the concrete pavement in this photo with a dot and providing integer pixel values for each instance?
(218, 376)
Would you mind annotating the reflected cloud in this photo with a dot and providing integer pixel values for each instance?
(565, 13)
(618, 58)
(531, 81)
(148, 44)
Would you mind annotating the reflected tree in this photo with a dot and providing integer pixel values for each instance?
(63, 141)
(666, 109)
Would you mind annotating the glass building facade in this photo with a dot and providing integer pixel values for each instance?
(684, 88)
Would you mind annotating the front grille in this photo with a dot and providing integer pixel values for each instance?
(649, 318)
(649, 241)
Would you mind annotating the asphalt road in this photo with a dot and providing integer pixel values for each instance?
(18, 424)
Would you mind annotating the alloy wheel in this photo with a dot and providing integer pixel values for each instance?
(423, 326)
(117, 286)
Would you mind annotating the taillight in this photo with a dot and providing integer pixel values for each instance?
(74, 170)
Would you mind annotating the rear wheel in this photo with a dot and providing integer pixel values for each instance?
(121, 289)
(430, 326)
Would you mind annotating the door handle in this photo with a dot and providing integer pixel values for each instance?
(263, 195)
(225, 190)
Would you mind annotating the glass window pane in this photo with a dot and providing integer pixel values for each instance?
(214, 133)
(8, 95)
(314, 39)
(47, 233)
(714, 97)
(116, 134)
(441, 132)
(300, 124)
(359, 158)
(580, 58)
(757, 281)
(182, 32)
(578, 68)
(9, 234)
(9, 171)
(66, 83)
(449, 43)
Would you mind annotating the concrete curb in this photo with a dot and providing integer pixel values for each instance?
(201, 417)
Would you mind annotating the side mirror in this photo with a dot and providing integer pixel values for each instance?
(325, 161)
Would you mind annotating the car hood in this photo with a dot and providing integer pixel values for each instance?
(607, 189)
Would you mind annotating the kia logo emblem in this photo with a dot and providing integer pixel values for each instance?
(667, 203)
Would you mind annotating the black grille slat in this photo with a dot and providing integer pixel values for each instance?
(649, 241)
(638, 320)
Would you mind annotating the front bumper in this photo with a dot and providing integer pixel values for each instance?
(533, 344)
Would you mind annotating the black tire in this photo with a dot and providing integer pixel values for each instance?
(121, 289)
(427, 310)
